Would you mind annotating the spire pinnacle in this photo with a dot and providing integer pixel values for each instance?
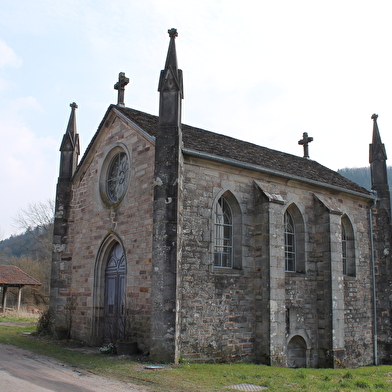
(171, 59)
(71, 138)
(377, 148)
(171, 76)
(69, 148)
(71, 128)
(376, 133)
(378, 164)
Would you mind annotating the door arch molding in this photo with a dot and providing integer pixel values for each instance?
(98, 294)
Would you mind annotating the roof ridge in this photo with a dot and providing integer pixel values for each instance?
(218, 144)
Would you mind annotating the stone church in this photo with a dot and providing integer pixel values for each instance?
(199, 246)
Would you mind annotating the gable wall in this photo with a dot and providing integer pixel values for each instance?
(130, 223)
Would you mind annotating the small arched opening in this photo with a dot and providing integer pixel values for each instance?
(296, 352)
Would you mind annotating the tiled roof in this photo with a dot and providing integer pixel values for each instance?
(226, 147)
(223, 146)
(11, 275)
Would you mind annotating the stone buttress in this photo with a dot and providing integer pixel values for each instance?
(167, 212)
(381, 214)
(61, 270)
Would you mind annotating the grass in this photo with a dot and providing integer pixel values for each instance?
(193, 377)
(21, 317)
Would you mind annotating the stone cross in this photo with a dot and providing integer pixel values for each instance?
(120, 86)
(305, 142)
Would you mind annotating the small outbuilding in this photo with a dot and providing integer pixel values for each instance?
(12, 276)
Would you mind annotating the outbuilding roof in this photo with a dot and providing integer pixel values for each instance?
(11, 275)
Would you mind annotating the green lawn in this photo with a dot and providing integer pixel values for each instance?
(192, 377)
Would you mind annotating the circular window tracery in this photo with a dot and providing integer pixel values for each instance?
(117, 177)
(114, 176)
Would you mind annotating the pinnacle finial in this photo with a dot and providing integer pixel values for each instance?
(73, 105)
(172, 33)
(376, 139)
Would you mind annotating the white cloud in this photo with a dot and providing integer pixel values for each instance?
(26, 162)
(8, 56)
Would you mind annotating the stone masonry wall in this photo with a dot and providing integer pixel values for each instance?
(220, 311)
(244, 314)
(358, 291)
(130, 223)
(216, 305)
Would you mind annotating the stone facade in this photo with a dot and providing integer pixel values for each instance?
(156, 187)
(93, 227)
(229, 319)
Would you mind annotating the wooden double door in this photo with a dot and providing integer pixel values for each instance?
(114, 306)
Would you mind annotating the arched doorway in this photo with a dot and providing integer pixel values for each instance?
(114, 305)
(296, 352)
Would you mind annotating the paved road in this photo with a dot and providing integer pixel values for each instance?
(23, 371)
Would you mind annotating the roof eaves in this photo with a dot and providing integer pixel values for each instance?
(244, 165)
(11, 275)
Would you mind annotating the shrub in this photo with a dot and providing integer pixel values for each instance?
(45, 323)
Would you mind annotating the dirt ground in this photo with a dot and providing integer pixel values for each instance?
(24, 371)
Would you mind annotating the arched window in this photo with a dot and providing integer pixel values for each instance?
(294, 240)
(227, 232)
(344, 250)
(348, 247)
(289, 242)
(223, 252)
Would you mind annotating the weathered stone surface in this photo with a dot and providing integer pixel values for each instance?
(177, 301)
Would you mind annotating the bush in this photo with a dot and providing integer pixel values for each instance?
(110, 349)
(45, 323)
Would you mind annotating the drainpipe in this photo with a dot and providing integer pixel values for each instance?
(375, 354)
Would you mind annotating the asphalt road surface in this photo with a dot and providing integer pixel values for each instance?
(24, 371)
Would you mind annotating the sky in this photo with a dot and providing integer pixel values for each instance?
(262, 71)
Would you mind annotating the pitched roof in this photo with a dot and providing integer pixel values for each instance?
(11, 275)
(226, 147)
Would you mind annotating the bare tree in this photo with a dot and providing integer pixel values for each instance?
(37, 220)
